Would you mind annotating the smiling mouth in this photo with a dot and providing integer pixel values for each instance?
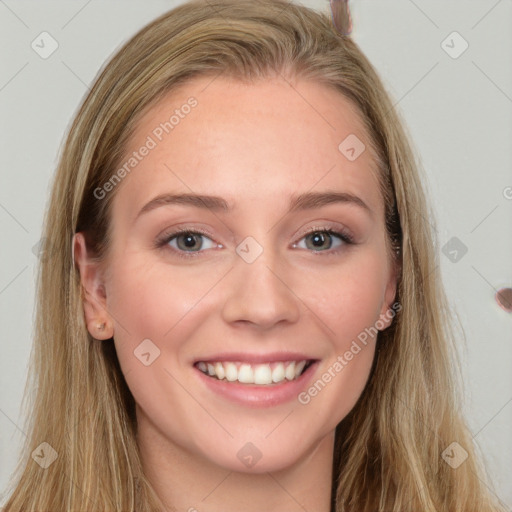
(259, 374)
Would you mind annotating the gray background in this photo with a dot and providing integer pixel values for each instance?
(458, 110)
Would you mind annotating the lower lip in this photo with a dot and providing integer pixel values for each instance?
(259, 396)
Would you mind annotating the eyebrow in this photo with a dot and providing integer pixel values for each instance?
(305, 201)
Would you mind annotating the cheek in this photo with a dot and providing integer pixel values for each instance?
(348, 305)
(348, 299)
(149, 299)
(154, 311)
(152, 301)
(350, 311)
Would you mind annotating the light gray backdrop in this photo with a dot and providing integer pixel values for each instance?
(448, 66)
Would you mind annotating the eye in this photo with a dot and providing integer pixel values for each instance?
(191, 241)
(321, 240)
(188, 241)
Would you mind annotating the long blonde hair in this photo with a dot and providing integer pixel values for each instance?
(388, 451)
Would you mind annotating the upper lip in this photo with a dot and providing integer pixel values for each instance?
(244, 357)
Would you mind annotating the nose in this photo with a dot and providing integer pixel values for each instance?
(259, 294)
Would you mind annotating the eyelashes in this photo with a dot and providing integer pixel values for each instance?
(178, 241)
(163, 241)
(318, 235)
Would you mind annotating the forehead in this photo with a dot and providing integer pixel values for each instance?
(267, 139)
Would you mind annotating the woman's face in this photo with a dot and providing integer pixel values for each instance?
(263, 282)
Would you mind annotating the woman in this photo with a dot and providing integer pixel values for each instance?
(244, 310)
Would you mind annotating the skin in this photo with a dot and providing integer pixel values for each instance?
(254, 147)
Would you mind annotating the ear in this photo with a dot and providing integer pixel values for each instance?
(99, 322)
(387, 313)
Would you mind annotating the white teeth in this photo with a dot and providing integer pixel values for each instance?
(219, 371)
(245, 374)
(278, 373)
(231, 372)
(260, 374)
(290, 371)
(299, 367)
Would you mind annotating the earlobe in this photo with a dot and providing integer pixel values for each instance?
(385, 318)
(98, 320)
(387, 312)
